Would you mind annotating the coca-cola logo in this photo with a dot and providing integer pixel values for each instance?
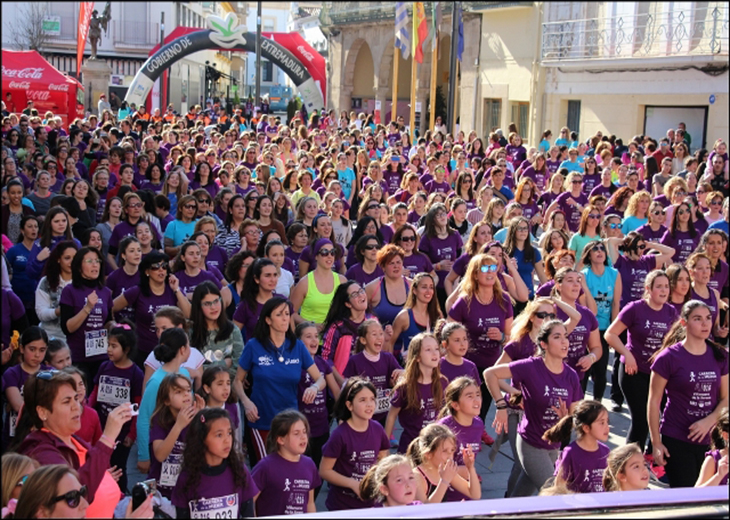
(305, 53)
(28, 73)
(38, 95)
(25, 85)
(63, 87)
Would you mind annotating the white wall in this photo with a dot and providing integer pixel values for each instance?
(279, 18)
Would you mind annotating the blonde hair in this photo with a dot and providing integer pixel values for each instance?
(377, 476)
(568, 182)
(43, 485)
(429, 440)
(616, 464)
(470, 285)
(14, 467)
(522, 324)
(633, 204)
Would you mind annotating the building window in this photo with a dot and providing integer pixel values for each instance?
(574, 115)
(492, 115)
(269, 25)
(520, 113)
(267, 70)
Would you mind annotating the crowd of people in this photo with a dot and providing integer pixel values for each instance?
(255, 306)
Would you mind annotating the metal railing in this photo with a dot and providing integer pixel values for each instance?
(695, 32)
(127, 32)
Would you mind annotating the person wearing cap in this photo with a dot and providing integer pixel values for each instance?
(103, 105)
(312, 296)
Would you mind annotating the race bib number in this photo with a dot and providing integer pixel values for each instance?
(217, 507)
(382, 403)
(114, 390)
(170, 471)
(95, 342)
(12, 423)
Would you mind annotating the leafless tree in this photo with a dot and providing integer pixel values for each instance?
(27, 30)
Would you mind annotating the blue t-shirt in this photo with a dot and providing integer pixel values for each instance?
(632, 223)
(347, 180)
(19, 258)
(571, 166)
(526, 268)
(720, 224)
(602, 289)
(179, 231)
(276, 374)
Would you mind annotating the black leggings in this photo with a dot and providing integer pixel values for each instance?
(684, 461)
(598, 371)
(486, 396)
(616, 395)
(636, 391)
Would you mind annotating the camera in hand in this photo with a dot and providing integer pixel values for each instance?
(141, 491)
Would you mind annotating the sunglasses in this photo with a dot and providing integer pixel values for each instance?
(329, 252)
(595, 217)
(72, 498)
(682, 211)
(599, 248)
(542, 315)
(641, 247)
(575, 181)
(488, 268)
(613, 225)
(716, 203)
(135, 205)
(158, 266)
(190, 206)
(373, 207)
(203, 201)
(657, 213)
(408, 239)
(370, 247)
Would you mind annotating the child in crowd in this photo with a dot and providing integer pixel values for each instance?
(715, 468)
(626, 470)
(216, 392)
(58, 355)
(391, 482)
(455, 342)
(90, 425)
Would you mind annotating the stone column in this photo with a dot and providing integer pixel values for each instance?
(422, 93)
(97, 74)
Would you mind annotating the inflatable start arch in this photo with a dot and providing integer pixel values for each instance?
(222, 35)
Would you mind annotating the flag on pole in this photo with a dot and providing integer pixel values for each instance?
(420, 30)
(435, 23)
(85, 10)
(460, 48)
(402, 38)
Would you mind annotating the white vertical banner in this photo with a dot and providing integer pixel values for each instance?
(155, 95)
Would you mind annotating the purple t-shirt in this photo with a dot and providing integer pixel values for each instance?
(522, 349)
(683, 244)
(89, 341)
(538, 177)
(12, 309)
(530, 210)
(354, 452)
(167, 471)
(716, 455)
(541, 390)
(189, 283)
(216, 496)
(602, 190)
(477, 318)
(284, 485)
(552, 166)
(417, 263)
(378, 373)
(145, 308)
(438, 249)
(217, 257)
(633, 275)
(579, 337)
(590, 182)
(118, 282)
(719, 277)
(412, 420)
(693, 389)
(316, 412)
(572, 213)
(466, 436)
(583, 470)
(467, 368)
(646, 329)
(249, 318)
(14, 377)
(293, 256)
(125, 229)
(434, 186)
(357, 273)
(117, 386)
(649, 234)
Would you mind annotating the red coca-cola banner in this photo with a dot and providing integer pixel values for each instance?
(85, 10)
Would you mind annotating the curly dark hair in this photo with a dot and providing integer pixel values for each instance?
(193, 461)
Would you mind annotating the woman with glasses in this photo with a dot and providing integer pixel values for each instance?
(205, 206)
(366, 269)
(571, 202)
(681, 235)
(714, 203)
(134, 210)
(180, 229)
(654, 230)
(157, 288)
(127, 275)
(220, 342)
(588, 230)
(312, 296)
(591, 175)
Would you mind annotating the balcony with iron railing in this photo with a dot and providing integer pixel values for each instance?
(691, 33)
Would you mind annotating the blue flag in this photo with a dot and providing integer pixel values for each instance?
(460, 48)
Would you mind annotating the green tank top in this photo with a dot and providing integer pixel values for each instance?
(316, 305)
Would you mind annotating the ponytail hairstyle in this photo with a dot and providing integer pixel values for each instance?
(362, 332)
(586, 413)
(124, 332)
(678, 332)
(281, 425)
(630, 241)
(453, 392)
(429, 440)
(194, 461)
(171, 341)
(651, 279)
(559, 277)
(377, 477)
(545, 330)
(718, 443)
(209, 375)
(444, 329)
(353, 386)
(616, 464)
(409, 383)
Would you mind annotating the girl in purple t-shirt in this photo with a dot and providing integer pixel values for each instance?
(581, 464)
(287, 479)
(626, 470)
(371, 363)
(390, 481)
(455, 342)
(715, 468)
(550, 389)
(693, 373)
(423, 380)
(571, 202)
(355, 445)
(213, 480)
(460, 414)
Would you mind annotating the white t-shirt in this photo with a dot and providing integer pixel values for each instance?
(194, 362)
(286, 281)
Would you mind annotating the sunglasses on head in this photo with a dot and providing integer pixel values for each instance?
(542, 315)
(72, 498)
(488, 268)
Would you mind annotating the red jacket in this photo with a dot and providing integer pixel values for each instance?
(46, 448)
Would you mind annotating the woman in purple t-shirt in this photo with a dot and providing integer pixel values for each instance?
(699, 270)
(681, 235)
(550, 390)
(441, 244)
(571, 202)
(127, 276)
(693, 372)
